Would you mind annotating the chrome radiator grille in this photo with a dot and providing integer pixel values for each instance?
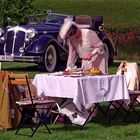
(15, 40)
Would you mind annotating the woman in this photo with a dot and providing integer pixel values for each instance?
(84, 43)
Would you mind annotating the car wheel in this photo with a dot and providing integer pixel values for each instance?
(50, 58)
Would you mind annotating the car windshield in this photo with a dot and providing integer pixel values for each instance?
(56, 18)
(48, 18)
(37, 19)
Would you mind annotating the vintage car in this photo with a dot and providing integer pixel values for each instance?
(38, 42)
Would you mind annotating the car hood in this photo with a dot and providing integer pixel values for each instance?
(39, 28)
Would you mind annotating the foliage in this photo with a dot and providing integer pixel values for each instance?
(17, 10)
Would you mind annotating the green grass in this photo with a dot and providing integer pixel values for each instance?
(117, 13)
(98, 129)
(19, 67)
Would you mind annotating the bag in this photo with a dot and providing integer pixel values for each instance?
(59, 119)
(74, 115)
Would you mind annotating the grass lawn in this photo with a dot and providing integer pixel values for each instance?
(118, 13)
(98, 129)
(19, 67)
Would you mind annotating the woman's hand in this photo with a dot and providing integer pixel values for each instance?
(88, 57)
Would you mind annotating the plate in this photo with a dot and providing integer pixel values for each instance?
(93, 74)
(76, 76)
(56, 74)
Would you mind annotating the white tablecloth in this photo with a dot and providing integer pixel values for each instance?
(83, 90)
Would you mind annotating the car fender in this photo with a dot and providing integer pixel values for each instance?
(40, 43)
(106, 39)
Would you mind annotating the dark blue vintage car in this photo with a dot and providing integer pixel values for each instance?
(38, 41)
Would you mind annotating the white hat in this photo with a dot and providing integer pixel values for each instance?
(65, 28)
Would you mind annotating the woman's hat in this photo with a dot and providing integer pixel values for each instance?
(66, 28)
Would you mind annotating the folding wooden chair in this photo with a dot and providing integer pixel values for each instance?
(130, 70)
(32, 103)
(132, 107)
(134, 103)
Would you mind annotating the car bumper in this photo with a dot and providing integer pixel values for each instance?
(10, 58)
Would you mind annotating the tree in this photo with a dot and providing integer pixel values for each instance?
(17, 10)
(1, 11)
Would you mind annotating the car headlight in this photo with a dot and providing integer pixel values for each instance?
(21, 49)
(1, 32)
(2, 40)
(31, 33)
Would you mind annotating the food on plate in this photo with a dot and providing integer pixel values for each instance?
(74, 72)
(95, 71)
(69, 71)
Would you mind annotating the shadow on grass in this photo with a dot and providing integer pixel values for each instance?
(100, 119)
(68, 127)
(118, 120)
(30, 68)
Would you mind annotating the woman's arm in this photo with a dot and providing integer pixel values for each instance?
(97, 44)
